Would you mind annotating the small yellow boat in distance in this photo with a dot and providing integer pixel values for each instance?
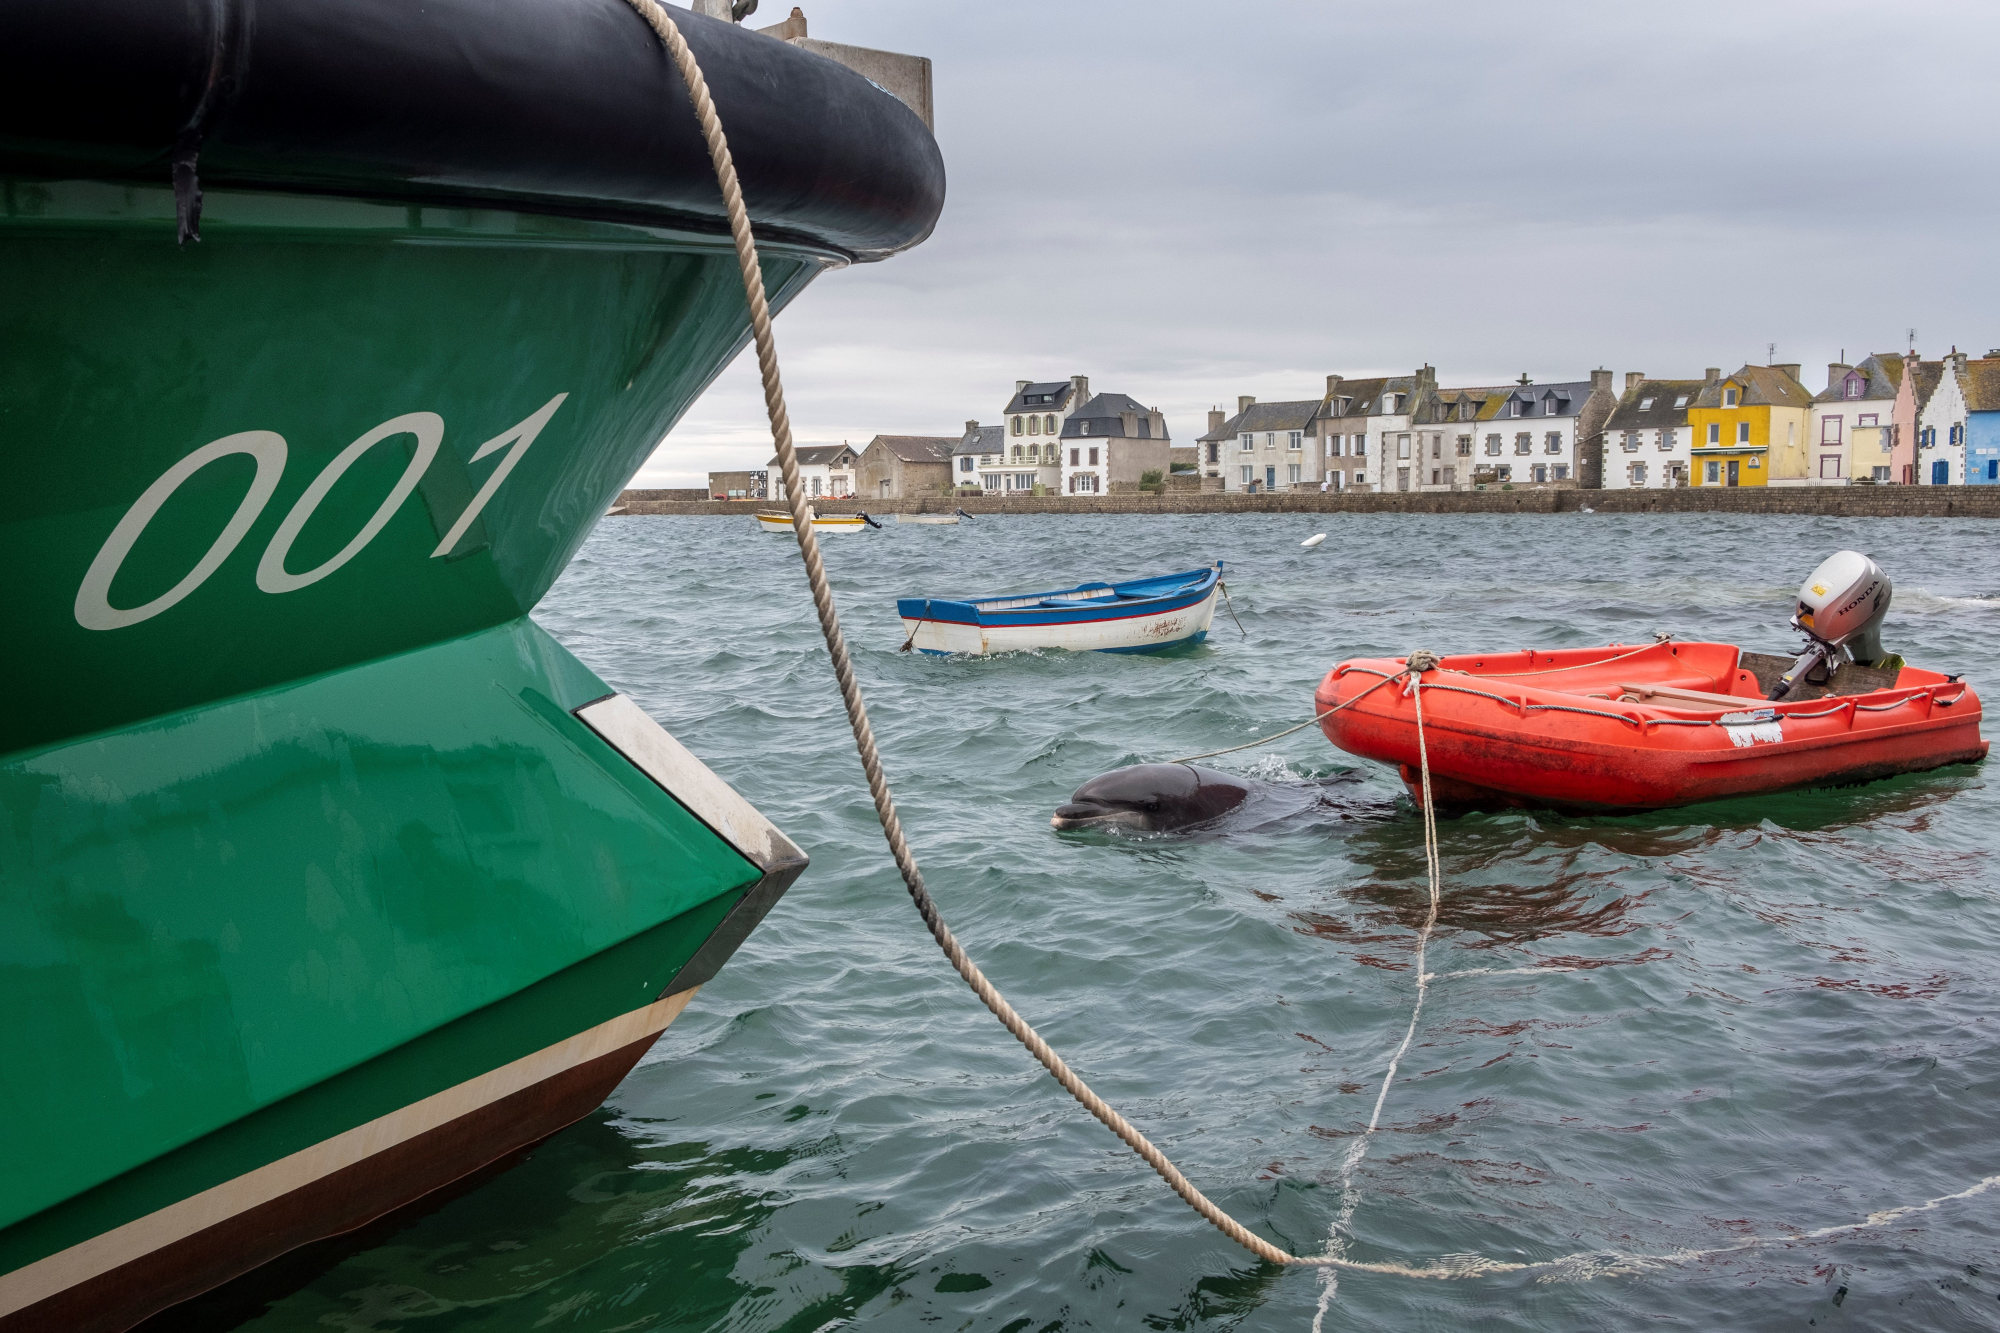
(822, 523)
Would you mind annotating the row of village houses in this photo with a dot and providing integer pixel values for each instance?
(1887, 419)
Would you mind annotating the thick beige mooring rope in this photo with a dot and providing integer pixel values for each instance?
(1584, 1264)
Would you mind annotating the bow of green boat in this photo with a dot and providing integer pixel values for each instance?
(328, 876)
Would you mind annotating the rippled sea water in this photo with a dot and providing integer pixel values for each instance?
(1780, 1014)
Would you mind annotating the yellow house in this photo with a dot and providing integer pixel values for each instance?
(1750, 428)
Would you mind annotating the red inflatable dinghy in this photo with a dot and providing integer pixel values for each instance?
(1624, 728)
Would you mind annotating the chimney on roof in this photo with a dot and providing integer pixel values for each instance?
(1711, 375)
(1215, 420)
(1600, 379)
(1080, 383)
(1333, 383)
(1243, 402)
(1834, 371)
(1791, 368)
(972, 428)
(1633, 379)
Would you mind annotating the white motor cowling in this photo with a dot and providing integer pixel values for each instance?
(1841, 608)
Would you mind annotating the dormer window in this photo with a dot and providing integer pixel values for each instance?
(1645, 404)
(1522, 407)
(1729, 396)
(1854, 386)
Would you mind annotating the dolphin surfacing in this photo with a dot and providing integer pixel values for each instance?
(1151, 798)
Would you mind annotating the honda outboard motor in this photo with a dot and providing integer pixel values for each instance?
(1841, 608)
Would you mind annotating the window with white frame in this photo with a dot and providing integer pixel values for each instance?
(1465, 446)
(1524, 443)
(1629, 442)
(1711, 471)
(1881, 474)
(1637, 473)
(1361, 446)
(1249, 441)
(1295, 440)
(1402, 446)
(1645, 404)
(1293, 473)
(1493, 446)
(1249, 474)
(1729, 396)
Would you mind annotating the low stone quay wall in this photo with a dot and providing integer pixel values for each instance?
(1833, 501)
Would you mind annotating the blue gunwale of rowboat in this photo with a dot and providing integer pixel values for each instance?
(1159, 595)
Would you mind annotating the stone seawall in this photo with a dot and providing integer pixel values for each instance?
(1833, 501)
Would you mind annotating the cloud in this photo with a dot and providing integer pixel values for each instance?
(1190, 202)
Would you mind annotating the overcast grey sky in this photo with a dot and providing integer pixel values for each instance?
(1190, 202)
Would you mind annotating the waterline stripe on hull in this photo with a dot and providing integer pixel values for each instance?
(113, 1249)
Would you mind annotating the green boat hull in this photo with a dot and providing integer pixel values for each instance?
(324, 882)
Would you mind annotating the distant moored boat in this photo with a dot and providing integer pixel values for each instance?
(822, 523)
(1138, 616)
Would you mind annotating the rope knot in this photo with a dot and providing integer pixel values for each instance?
(1421, 661)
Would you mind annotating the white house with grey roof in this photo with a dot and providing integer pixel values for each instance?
(1647, 437)
(1531, 434)
(1265, 447)
(976, 458)
(1112, 437)
(826, 471)
(1033, 420)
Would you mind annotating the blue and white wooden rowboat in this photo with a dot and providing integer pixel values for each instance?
(1140, 616)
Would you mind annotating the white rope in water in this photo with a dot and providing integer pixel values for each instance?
(1585, 1264)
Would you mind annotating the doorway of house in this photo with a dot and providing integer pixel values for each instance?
(1733, 465)
(1940, 473)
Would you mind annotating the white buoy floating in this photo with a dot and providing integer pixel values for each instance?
(1313, 540)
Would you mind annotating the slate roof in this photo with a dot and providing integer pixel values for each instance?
(1982, 384)
(1764, 386)
(1544, 400)
(917, 448)
(1103, 414)
(812, 455)
(1662, 414)
(985, 440)
(1361, 395)
(1057, 393)
(1883, 371)
(1285, 416)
